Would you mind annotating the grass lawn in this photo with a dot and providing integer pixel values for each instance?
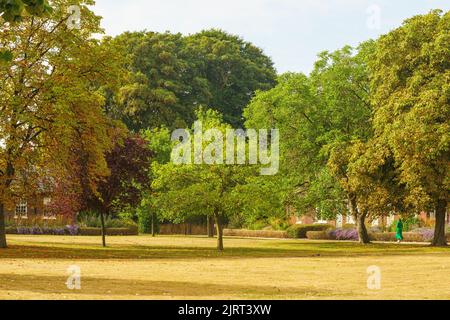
(35, 267)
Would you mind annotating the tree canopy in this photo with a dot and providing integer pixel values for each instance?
(49, 97)
(170, 76)
(410, 84)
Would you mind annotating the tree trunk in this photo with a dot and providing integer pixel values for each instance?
(219, 229)
(362, 230)
(102, 219)
(439, 232)
(3, 243)
(210, 227)
(360, 219)
(10, 172)
(153, 224)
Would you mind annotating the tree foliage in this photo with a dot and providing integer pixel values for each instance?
(14, 10)
(410, 81)
(190, 190)
(321, 118)
(49, 100)
(170, 76)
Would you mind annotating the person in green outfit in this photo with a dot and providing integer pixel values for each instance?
(399, 235)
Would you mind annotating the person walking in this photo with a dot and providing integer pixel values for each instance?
(399, 235)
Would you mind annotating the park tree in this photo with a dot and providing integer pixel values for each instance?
(341, 81)
(124, 47)
(160, 143)
(48, 95)
(410, 93)
(204, 188)
(374, 176)
(164, 86)
(128, 164)
(170, 76)
(321, 118)
(235, 69)
(262, 201)
(291, 107)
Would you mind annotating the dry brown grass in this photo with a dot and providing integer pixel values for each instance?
(35, 267)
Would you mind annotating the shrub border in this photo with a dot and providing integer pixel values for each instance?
(131, 231)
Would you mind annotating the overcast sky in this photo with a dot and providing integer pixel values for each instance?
(292, 32)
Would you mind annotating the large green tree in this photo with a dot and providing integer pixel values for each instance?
(235, 69)
(411, 95)
(170, 76)
(321, 118)
(164, 87)
(188, 190)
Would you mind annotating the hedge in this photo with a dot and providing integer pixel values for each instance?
(131, 231)
(391, 237)
(318, 235)
(382, 237)
(255, 233)
(11, 231)
(299, 231)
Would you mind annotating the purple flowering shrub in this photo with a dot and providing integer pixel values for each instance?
(427, 234)
(345, 234)
(55, 231)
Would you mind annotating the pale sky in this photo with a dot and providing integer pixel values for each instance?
(291, 32)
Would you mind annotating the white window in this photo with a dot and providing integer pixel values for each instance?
(22, 209)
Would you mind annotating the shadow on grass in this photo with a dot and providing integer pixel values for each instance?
(268, 249)
(108, 288)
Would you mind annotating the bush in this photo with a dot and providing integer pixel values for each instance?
(383, 237)
(37, 230)
(427, 234)
(145, 221)
(257, 225)
(133, 231)
(93, 220)
(391, 237)
(299, 231)
(39, 222)
(72, 231)
(419, 235)
(11, 230)
(319, 235)
(255, 233)
(345, 234)
(278, 224)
